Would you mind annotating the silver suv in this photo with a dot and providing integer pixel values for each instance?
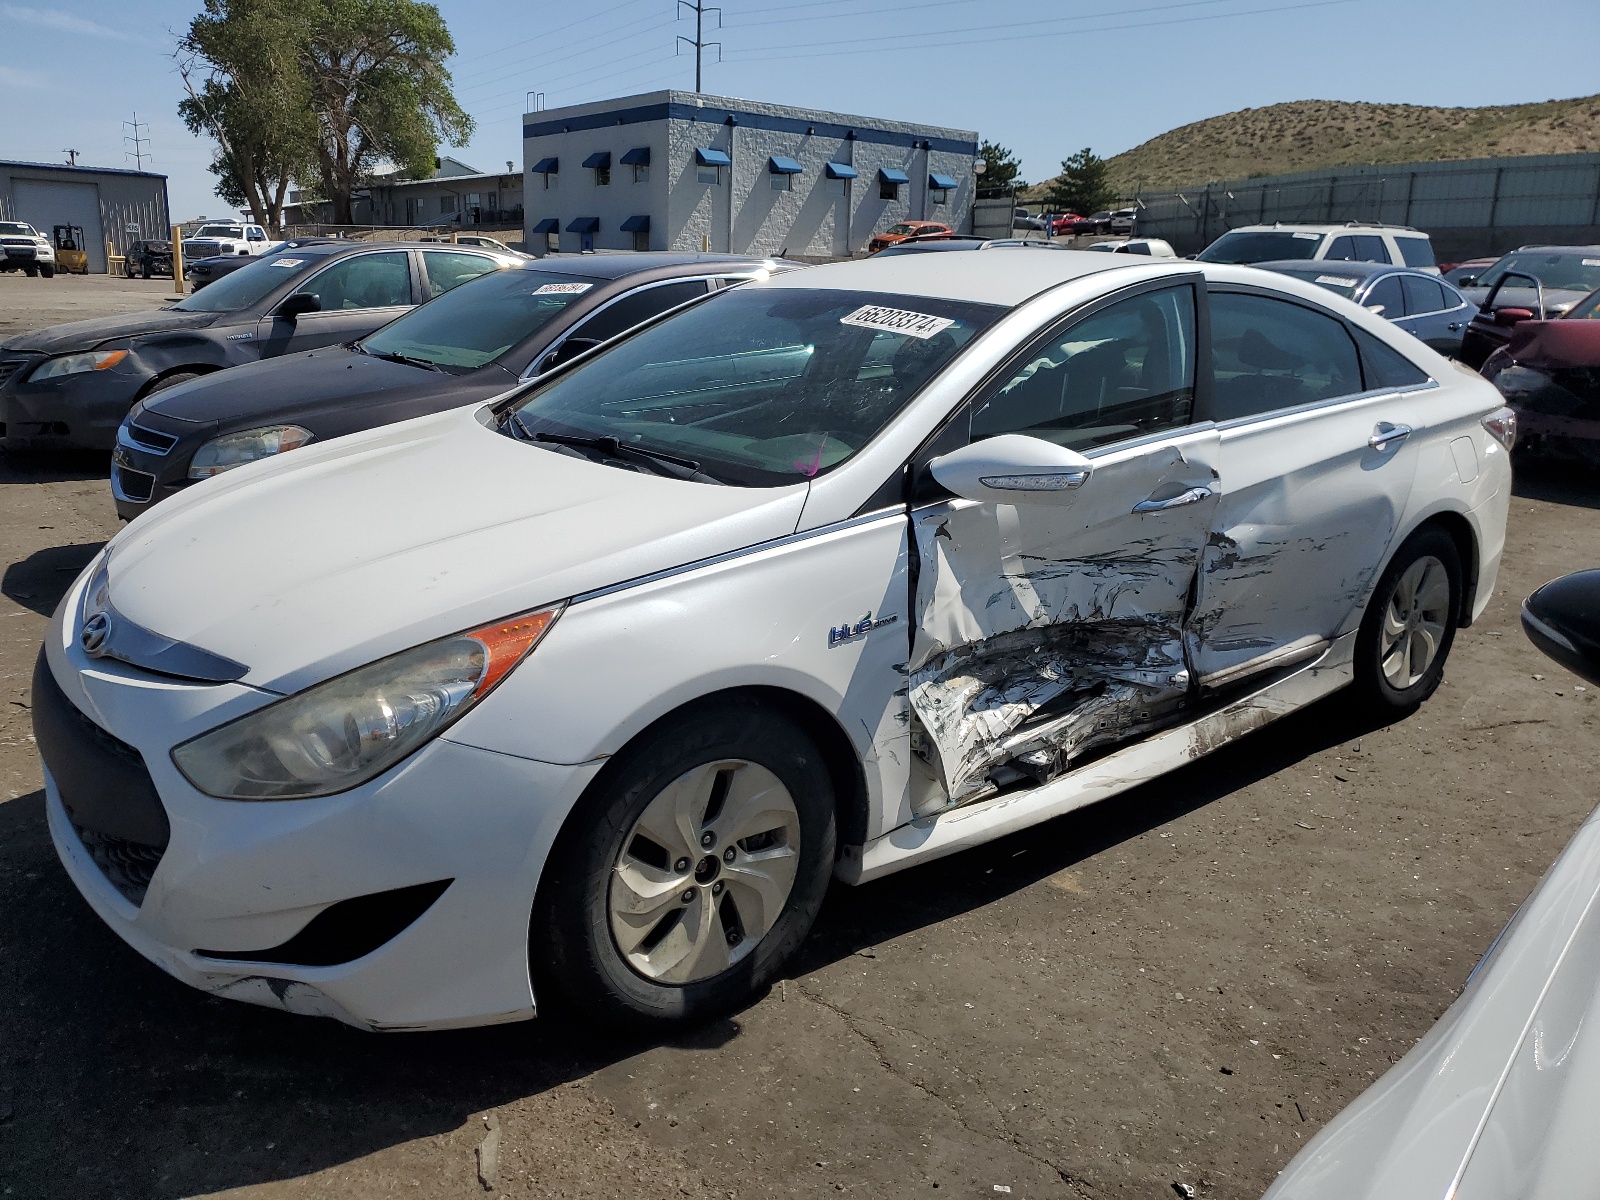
(1355, 241)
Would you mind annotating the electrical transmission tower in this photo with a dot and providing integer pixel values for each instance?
(698, 7)
(138, 153)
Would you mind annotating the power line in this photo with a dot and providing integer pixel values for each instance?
(588, 18)
(566, 53)
(698, 7)
(138, 153)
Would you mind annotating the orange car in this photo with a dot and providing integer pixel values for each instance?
(899, 233)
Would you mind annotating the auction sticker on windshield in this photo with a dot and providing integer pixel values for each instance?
(563, 289)
(286, 262)
(1337, 280)
(897, 320)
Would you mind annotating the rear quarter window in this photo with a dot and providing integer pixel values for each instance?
(1416, 251)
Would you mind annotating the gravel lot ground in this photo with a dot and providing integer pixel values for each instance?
(1180, 985)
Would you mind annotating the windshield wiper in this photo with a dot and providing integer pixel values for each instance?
(408, 360)
(668, 464)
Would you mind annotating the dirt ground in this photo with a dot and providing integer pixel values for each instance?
(1180, 985)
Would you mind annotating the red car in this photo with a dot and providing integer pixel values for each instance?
(905, 229)
(1069, 223)
(1549, 374)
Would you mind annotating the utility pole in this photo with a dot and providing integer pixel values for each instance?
(138, 152)
(698, 7)
(72, 157)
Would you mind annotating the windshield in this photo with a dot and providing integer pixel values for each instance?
(477, 322)
(222, 231)
(1265, 245)
(17, 227)
(1587, 309)
(1569, 272)
(763, 386)
(1343, 285)
(902, 228)
(244, 287)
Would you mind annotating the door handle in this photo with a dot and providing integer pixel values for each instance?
(1453, 326)
(1386, 433)
(1193, 496)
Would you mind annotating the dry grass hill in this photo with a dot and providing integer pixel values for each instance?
(1306, 135)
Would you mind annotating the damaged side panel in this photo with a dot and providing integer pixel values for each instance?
(1045, 630)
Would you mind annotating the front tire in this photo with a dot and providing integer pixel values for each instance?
(1410, 625)
(172, 381)
(691, 870)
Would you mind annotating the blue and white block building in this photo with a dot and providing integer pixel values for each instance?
(680, 171)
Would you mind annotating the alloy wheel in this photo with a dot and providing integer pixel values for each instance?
(1414, 622)
(705, 872)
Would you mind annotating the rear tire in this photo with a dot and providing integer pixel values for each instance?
(1409, 625)
(711, 918)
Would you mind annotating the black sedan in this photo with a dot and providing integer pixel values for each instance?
(1419, 302)
(69, 386)
(148, 258)
(474, 343)
(1533, 283)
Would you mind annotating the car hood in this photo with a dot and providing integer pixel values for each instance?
(302, 384)
(86, 335)
(1556, 300)
(1553, 345)
(311, 563)
(1502, 1097)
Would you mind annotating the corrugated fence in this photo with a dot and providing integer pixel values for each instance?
(1470, 207)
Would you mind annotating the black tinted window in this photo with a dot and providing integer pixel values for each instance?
(1123, 372)
(364, 281)
(248, 284)
(1386, 293)
(1253, 246)
(1423, 295)
(1269, 354)
(1417, 251)
(1371, 248)
(638, 306)
(1343, 249)
(1386, 367)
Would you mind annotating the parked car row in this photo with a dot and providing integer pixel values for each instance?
(472, 554)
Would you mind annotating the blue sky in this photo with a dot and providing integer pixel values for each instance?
(1044, 79)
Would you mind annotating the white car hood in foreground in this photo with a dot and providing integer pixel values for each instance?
(1501, 1099)
(325, 558)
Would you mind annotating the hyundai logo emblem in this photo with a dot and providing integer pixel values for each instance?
(96, 632)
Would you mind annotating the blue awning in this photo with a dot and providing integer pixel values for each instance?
(600, 158)
(639, 156)
(639, 224)
(584, 225)
(840, 171)
(893, 175)
(712, 158)
(942, 183)
(779, 165)
(548, 225)
(547, 166)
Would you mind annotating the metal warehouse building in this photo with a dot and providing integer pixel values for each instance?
(106, 202)
(681, 171)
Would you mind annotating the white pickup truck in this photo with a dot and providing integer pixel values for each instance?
(24, 248)
(225, 237)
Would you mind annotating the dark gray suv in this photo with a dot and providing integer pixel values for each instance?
(69, 386)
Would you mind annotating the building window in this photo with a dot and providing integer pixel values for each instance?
(641, 239)
(641, 172)
(552, 242)
(835, 187)
(888, 190)
(602, 176)
(711, 175)
(782, 183)
(447, 203)
(550, 179)
(939, 195)
(422, 206)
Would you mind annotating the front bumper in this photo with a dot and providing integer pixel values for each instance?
(150, 464)
(241, 876)
(73, 412)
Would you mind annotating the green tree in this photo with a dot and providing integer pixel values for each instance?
(1000, 170)
(1083, 185)
(375, 73)
(239, 64)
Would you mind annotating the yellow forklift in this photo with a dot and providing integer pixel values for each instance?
(72, 252)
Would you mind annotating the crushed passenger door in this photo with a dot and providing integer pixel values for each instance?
(1045, 630)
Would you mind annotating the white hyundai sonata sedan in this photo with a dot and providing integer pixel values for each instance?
(593, 688)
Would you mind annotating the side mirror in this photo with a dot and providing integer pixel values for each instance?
(1013, 469)
(1563, 619)
(298, 304)
(1510, 316)
(1375, 308)
(569, 350)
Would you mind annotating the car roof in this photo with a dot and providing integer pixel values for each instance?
(1549, 250)
(1330, 227)
(1321, 266)
(1005, 275)
(615, 266)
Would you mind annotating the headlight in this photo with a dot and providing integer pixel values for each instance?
(341, 733)
(75, 364)
(235, 449)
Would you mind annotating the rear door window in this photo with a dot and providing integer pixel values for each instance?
(1269, 354)
(1416, 251)
(1423, 295)
(1370, 247)
(1386, 293)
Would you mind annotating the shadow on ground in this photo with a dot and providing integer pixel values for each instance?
(1556, 482)
(116, 1080)
(54, 466)
(40, 580)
